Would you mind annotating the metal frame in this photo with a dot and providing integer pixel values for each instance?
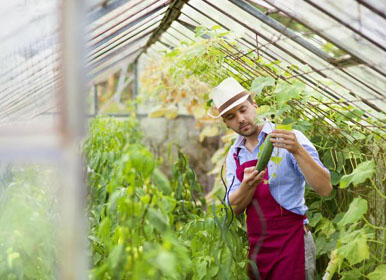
(73, 256)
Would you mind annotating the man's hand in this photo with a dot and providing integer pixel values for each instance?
(315, 175)
(241, 198)
(252, 177)
(286, 139)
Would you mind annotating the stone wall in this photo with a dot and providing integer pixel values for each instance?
(180, 132)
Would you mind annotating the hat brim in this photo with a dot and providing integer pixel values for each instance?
(234, 104)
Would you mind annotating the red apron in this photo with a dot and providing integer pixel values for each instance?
(281, 254)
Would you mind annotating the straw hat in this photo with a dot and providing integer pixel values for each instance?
(227, 95)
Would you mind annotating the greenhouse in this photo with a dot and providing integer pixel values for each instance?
(193, 139)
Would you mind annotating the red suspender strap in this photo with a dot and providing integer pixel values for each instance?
(236, 156)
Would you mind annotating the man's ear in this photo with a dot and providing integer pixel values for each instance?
(254, 104)
(224, 122)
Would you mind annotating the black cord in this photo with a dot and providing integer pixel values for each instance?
(257, 207)
(226, 195)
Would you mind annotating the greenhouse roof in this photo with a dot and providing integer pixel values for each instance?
(340, 41)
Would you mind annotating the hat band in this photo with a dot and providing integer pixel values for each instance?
(232, 100)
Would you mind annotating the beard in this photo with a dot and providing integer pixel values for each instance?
(250, 132)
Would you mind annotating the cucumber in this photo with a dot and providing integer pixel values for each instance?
(265, 154)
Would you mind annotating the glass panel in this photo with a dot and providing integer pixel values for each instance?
(333, 31)
(168, 39)
(124, 14)
(183, 30)
(369, 76)
(29, 55)
(29, 220)
(125, 57)
(358, 17)
(133, 30)
(113, 67)
(293, 49)
(99, 36)
(123, 42)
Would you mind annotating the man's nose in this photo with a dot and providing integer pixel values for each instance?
(240, 118)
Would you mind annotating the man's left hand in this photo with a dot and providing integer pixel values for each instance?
(286, 139)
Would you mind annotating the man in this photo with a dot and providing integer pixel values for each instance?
(274, 198)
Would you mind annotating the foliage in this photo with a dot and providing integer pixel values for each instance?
(28, 224)
(349, 225)
(182, 79)
(145, 226)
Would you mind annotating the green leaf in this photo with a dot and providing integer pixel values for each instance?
(326, 227)
(285, 92)
(158, 219)
(166, 261)
(115, 256)
(351, 274)
(276, 160)
(314, 219)
(212, 272)
(304, 126)
(357, 208)
(379, 273)
(351, 152)
(287, 121)
(260, 83)
(335, 177)
(364, 171)
(104, 229)
(328, 161)
(161, 181)
(356, 250)
(263, 109)
(201, 270)
(326, 245)
(338, 217)
(287, 126)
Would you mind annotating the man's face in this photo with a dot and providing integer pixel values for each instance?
(241, 119)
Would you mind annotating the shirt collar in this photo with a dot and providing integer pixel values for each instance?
(267, 128)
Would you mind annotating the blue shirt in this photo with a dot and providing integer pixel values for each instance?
(286, 181)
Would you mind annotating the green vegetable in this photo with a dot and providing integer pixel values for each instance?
(265, 154)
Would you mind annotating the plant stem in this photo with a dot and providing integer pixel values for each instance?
(375, 241)
(378, 190)
(383, 246)
(354, 268)
(371, 225)
(374, 257)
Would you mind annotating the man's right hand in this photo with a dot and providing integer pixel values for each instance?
(252, 177)
(241, 198)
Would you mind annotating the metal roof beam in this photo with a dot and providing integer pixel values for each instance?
(126, 27)
(105, 9)
(172, 13)
(281, 28)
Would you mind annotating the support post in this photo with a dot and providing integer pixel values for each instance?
(96, 102)
(72, 228)
(135, 81)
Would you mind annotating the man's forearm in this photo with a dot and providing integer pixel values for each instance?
(315, 175)
(241, 198)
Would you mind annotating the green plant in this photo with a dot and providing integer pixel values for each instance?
(146, 226)
(28, 222)
(348, 145)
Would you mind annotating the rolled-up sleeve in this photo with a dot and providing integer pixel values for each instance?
(232, 182)
(310, 148)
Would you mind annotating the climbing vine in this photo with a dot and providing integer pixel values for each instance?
(349, 225)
